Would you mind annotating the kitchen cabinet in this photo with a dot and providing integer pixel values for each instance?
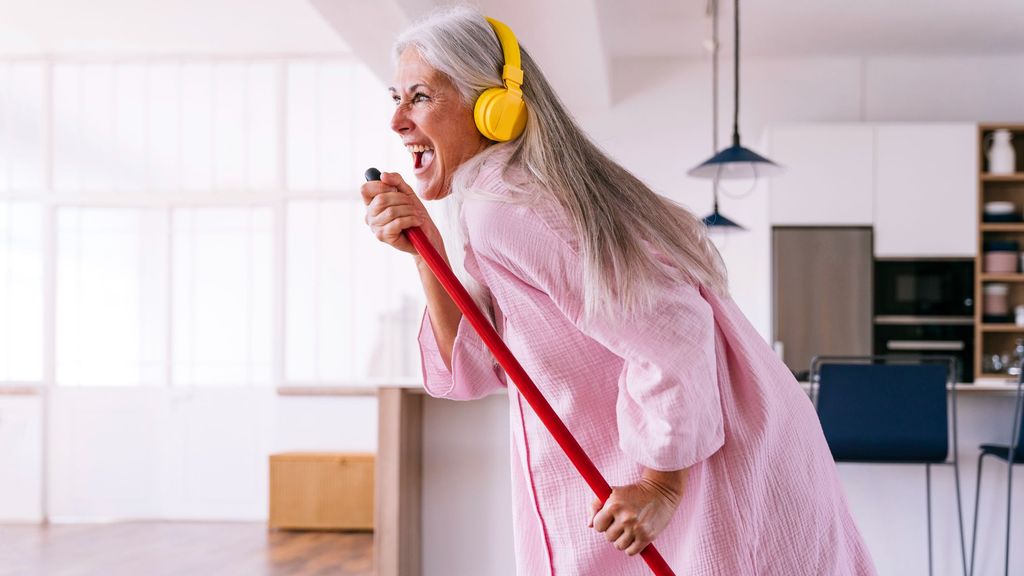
(829, 175)
(915, 183)
(926, 190)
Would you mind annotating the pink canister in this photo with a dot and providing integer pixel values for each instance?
(1000, 257)
(1000, 262)
(996, 301)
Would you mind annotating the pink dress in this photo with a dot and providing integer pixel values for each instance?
(691, 385)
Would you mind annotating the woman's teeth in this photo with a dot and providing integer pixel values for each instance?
(422, 155)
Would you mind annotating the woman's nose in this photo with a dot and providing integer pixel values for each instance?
(400, 122)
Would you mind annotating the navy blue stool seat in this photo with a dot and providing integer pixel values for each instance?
(888, 410)
(1002, 451)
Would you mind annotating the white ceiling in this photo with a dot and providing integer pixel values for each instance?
(800, 28)
(143, 27)
(625, 28)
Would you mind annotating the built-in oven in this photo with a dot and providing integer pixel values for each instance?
(935, 337)
(926, 307)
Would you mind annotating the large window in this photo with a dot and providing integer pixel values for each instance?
(111, 287)
(21, 292)
(197, 222)
(351, 315)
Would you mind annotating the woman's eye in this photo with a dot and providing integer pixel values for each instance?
(420, 97)
(396, 99)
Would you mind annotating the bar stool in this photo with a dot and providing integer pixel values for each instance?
(1011, 454)
(893, 410)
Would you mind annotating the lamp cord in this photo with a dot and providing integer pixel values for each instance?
(736, 74)
(714, 97)
(714, 76)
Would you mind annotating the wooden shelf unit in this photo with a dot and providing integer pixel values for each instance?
(997, 338)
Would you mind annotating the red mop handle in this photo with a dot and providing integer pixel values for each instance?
(519, 377)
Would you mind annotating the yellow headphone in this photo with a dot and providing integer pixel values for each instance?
(500, 113)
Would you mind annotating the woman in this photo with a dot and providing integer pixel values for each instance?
(615, 302)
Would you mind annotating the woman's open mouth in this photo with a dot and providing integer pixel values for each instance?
(422, 156)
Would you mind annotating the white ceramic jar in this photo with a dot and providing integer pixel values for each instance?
(1002, 158)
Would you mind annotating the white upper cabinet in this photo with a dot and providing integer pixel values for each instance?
(926, 190)
(829, 174)
(915, 183)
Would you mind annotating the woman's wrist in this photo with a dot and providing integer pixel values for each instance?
(670, 484)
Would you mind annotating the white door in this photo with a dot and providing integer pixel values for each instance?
(105, 445)
(829, 174)
(926, 190)
(20, 458)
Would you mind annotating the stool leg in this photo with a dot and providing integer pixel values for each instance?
(977, 499)
(928, 494)
(960, 514)
(1009, 494)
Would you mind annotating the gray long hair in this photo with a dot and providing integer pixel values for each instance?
(623, 227)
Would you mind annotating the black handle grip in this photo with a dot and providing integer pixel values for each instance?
(372, 174)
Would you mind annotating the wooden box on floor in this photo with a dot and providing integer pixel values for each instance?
(321, 491)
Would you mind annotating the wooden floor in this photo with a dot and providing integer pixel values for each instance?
(179, 549)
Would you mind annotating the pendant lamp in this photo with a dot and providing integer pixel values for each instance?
(716, 221)
(736, 161)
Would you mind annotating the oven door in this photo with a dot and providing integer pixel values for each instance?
(929, 340)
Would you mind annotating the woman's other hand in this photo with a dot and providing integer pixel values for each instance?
(634, 515)
(392, 207)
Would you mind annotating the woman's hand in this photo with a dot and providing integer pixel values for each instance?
(634, 515)
(391, 208)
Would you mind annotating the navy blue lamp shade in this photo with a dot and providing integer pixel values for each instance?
(716, 221)
(734, 162)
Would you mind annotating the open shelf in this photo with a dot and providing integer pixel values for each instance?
(1001, 277)
(996, 376)
(1017, 227)
(1018, 177)
(1002, 328)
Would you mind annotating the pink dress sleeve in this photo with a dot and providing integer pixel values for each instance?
(474, 373)
(669, 413)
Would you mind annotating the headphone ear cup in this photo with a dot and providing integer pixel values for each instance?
(500, 115)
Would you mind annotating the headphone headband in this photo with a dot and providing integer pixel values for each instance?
(512, 72)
